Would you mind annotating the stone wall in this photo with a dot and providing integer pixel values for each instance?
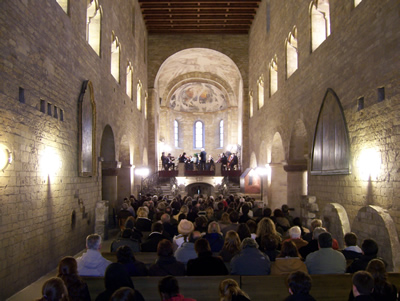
(44, 52)
(360, 55)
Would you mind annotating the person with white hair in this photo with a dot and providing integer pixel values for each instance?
(91, 263)
(295, 236)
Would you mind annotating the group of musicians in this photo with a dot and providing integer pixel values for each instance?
(199, 162)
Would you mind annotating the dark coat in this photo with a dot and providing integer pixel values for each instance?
(143, 224)
(151, 243)
(206, 264)
(167, 266)
(361, 263)
(215, 240)
(300, 297)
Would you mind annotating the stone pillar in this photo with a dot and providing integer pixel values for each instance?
(110, 186)
(101, 219)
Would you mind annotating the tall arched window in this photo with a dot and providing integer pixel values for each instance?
(292, 55)
(93, 25)
(129, 80)
(198, 136)
(64, 5)
(146, 96)
(139, 96)
(221, 134)
(273, 76)
(320, 22)
(176, 133)
(115, 56)
(260, 86)
(251, 103)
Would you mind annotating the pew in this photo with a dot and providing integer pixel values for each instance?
(148, 258)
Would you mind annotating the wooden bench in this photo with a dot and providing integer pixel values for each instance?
(148, 258)
(201, 288)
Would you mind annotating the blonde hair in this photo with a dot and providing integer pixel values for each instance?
(213, 227)
(142, 212)
(232, 241)
(229, 288)
(266, 226)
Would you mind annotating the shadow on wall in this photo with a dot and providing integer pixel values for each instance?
(371, 222)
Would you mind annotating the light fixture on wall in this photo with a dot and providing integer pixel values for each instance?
(50, 162)
(5, 157)
(142, 172)
(369, 164)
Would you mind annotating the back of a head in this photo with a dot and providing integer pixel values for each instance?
(243, 231)
(157, 227)
(117, 276)
(234, 217)
(125, 254)
(350, 239)
(168, 287)
(249, 243)
(93, 241)
(316, 223)
(125, 294)
(299, 283)
(165, 248)
(317, 232)
(142, 212)
(369, 247)
(229, 288)
(295, 232)
(270, 242)
(67, 267)
(213, 227)
(377, 269)
(202, 245)
(289, 249)
(325, 240)
(54, 290)
(364, 282)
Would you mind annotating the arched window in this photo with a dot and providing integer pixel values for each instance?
(320, 22)
(273, 76)
(146, 96)
(129, 80)
(115, 56)
(221, 134)
(64, 5)
(176, 133)
(292, 55)
(139, 96)
(251, 103)
(260, 86)
(93, 25)
(198, 134)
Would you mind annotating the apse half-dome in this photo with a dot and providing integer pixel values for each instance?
(198, 97)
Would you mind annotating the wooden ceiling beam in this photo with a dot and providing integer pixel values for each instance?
(178, 11)
(193, 17)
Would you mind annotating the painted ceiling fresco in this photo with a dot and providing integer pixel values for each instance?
(198, 97)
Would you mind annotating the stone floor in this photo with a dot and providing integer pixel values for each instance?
(33, 291)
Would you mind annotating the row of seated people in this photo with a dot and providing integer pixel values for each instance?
(371, 282)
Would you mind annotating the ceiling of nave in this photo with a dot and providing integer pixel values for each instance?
(199, 80)
(199, 16)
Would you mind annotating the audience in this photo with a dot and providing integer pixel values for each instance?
(299, 284)
(168, 288)
(267, 227)
(143, 223)
(214, 237)
(185, 227)
(234, 219)
(166, 263)
(243, 231)
(127, 259)
(116, 276)
(68, 272)
(250, 260)
(91, 263)
(156, 235)
(326, 260)
(315, 223)
(229, 290)
(54, 290)
(187, 251)
(363, 285)
(269, 245)
(369, 249)
(295, 236)
(205, 264)
(288, 260)
(125, 240)
(312, 246)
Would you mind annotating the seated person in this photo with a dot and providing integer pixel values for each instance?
(231, 246)
(295, 236)
(126, 294)
(288, 260)
(127, 259)
(205, 264)
(143, 223)
(68, 272)
(54, 289)
(187, 251)
(299, 284)
(168, 288)
(91, 263)
(250, 260)
(352, 251)
(370, 250)
(166, 263)
(214, 237)
(156, 235)
(122, 216)
(125, 240)
(326, 260)
(229, 290)
(363, 285)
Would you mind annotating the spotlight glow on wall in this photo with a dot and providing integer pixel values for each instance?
(181, 181)
(142, 172)
(5, 157)
(369, 164)
(50, 162)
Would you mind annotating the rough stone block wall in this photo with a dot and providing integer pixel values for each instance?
(360, 55)
(43, 50)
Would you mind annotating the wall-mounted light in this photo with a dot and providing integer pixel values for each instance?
(5, 157)
(142, 171)
(181, 181)
(50, 162)
(369, 164)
